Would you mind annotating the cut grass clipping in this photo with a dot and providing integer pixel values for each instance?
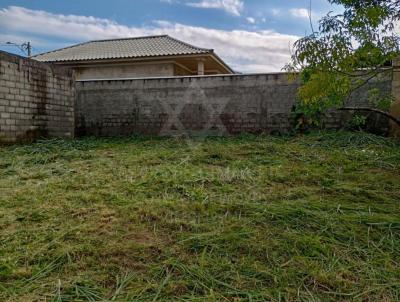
(310, 218)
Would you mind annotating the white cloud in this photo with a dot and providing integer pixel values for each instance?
(251, 20)
(275, 11)
(299, 12)
(170, 1)
(245, 51)
(233, 7)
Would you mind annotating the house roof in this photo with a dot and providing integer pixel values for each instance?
(141, 47)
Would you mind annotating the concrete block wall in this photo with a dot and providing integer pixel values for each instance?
(210, 105)
(36, 100)
(207, 105)
(375, 123)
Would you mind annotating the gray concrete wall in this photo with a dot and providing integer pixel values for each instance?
(211, 105)
(118, 71)
(375, 123)
(36, 100)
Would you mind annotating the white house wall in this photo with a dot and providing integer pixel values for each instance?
(124, 71)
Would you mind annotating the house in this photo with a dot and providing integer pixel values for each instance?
(152, 56)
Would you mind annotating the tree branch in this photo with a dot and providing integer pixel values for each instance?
(365, 82)
(384, 113)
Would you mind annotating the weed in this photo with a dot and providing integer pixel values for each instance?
(247, 218)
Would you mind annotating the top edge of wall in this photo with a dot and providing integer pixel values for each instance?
(184, 77)
(17, 59)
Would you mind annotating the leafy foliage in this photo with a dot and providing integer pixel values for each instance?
(347, 52)
(358, 120)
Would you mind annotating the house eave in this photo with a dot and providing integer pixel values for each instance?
(83, 63)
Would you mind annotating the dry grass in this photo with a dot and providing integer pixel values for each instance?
(312, 218)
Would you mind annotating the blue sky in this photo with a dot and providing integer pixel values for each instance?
(250, 35)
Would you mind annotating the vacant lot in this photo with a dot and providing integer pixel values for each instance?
(305, 218)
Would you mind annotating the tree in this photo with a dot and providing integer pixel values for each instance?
(348, 51)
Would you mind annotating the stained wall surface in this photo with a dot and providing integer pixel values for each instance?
(36, 100)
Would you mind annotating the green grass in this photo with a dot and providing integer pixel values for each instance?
(306, 218)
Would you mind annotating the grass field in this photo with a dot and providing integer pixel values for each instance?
(306, 218)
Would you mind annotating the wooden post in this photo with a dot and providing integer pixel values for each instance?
(395, 108)
(200, 67)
